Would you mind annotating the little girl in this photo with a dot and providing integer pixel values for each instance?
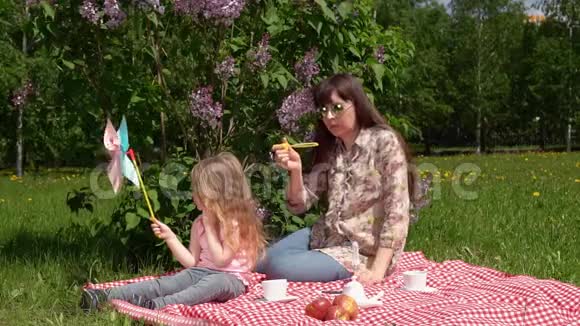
(226, 241)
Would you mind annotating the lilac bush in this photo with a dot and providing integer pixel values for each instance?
(114, 13)
(22, 95)
(222, 12)
(295, 107)
(380, 54)
(261, 57)
(225, 69)
(202, 106)
(307, 68)
(150, 4)
(90, 11)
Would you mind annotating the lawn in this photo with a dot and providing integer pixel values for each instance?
(520, 214)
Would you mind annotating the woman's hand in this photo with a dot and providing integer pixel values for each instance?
(162, 231)
(369, 276)
(286, 157)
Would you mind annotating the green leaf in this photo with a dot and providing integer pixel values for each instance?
(297, 220)
(79, 62)
(166, 71)
(292, 228)
(69, 64)
(136, 99)
(271, 16)
(108, 57)
(265, 80)
(354, 51)
(142, 212)
(48, 10)
(325, 10)
(345, 9)
(379, 71)
(132, 220)
(335, 64)
(154, 199)
(282, 80)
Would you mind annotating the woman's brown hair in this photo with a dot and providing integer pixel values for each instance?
(367, 116)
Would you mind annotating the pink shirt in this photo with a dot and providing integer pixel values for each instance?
(238, 264)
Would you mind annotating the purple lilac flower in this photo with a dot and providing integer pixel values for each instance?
(294, 107)
(150, 4)
(89, 10)
(262, 56)
(220, 11)
(115, 14)
(309, 136)
(23, 94)
(202, 106)
(263, 213)
(225, 69)
(307, 68)
(380, 54)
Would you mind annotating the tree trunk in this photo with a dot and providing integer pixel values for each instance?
(163, 138)
(427, 143)
(478, 90)
(19, 138)
(542, 134)
(19, 143)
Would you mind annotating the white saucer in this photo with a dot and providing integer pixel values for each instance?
(425, 289)
(284, 299)
(370, 304)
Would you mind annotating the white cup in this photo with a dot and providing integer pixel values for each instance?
(415, 280)
(275, 289)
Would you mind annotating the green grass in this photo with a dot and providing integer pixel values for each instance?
(42, 265)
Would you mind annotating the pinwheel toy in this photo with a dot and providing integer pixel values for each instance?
(123, 163)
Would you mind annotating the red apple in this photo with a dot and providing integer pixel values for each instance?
(336, 313)
(347, 304)
(318, 308)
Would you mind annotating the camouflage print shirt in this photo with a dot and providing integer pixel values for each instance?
(367, 195)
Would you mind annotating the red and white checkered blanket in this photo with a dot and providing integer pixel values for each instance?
(467, 295)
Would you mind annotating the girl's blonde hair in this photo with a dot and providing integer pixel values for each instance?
(220, 183)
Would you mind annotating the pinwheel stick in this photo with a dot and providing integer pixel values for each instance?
(132, 156)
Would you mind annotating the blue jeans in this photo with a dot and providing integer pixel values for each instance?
(291, 259)
(190, 286)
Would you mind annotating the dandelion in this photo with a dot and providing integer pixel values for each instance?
(577, 180)
(29, 199)
(578, 164)
(536, 194)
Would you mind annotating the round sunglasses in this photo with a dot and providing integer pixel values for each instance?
(335, 109)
